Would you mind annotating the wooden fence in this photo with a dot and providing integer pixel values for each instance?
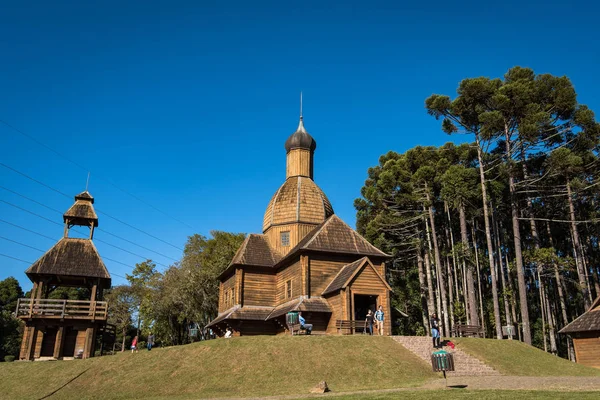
(62, 309)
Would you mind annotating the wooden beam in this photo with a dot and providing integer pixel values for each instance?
(58, 345)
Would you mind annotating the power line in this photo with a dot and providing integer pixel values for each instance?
(100, 212)
(87, 170)
(29, 262)
(99, 229)
(82, 233)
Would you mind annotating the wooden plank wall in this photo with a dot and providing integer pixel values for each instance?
(324, 268)
(259, 289)
(225, 287)
(587, 350)
(297, 233)
(368, 283)
(299, 162)
(292, 272)
(336, 303)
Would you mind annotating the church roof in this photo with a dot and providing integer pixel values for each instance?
(82, 211)
(300, 139)
(588, 321)
(335, 236)
(255, 250)
(347, 274)
(70, 257)
(299, 199)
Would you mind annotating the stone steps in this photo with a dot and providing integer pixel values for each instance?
(464, 364)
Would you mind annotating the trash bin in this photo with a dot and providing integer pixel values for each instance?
(442, 361)
(291, 318)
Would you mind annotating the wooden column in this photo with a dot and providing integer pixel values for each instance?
(304, 266)
(38, 337)
(388, 319)
(88, 344)
(220, 307)
(239, 284)
(58, 345)
(28, 339)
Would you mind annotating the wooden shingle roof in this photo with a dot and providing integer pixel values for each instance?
(588, 321)
(70, 257)
(347, 274)
(303, 303)
(82, 212)
(335, 236)
(248, 313)
(255, 250)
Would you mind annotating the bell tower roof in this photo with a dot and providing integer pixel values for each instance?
(82, 213)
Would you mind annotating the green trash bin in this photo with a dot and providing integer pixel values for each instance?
(291, 318)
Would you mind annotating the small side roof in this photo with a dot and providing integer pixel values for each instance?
(347, 273)
(256, 251)
(303, 303)
(70, 257)
(586, 322)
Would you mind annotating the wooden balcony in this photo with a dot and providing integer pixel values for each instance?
(62, 309)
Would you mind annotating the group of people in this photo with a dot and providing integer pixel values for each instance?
(149, 343)
(375, 318)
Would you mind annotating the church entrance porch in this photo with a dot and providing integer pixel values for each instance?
(362, 304)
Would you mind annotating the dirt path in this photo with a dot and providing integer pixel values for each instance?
(564, 383)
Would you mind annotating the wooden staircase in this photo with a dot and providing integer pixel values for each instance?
(464, 364)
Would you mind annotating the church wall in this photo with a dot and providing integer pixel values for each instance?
(297, 232)
(336, 304)
(259, 289)
(293, 273)
(226, 287)
(367, 282)
(323, 268)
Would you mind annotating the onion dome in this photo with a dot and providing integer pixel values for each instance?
(298, 200)
(300, 139)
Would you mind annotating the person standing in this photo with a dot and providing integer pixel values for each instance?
(435, 330)
(304, 325)
(134, 345)
(150, 341)
(369, 321)
(379, 320)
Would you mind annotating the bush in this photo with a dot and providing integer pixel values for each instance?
(9, 358)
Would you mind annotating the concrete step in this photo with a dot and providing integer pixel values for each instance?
(464, 364)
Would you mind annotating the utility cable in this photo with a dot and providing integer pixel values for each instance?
(99, 229)
(87, 170)
(100, 212)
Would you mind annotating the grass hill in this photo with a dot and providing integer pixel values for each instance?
(256, 366)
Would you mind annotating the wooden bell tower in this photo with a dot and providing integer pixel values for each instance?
(57, 328)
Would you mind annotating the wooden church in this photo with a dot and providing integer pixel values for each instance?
(57, 328)
(307, 259)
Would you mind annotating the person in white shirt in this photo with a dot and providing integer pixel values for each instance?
(228, 333)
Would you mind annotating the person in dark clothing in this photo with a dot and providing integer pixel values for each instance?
(150, 341)
(369, 321)
(435, 330)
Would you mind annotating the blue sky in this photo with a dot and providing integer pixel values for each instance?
(186, 105)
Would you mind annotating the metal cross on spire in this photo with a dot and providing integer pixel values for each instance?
(300, 104)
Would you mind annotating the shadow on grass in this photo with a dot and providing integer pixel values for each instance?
(458, 386)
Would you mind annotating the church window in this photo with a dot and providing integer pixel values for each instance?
(285, 238)
(288, 289)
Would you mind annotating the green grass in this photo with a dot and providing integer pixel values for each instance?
(511, 357)
(244, 366)
(460, 394)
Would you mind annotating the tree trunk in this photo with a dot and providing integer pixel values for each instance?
(577, 250)
(439, 267)
(517, 243)
(469, 262)
(488, 237)
(502, 275)
(476, 250)
(423, 292)
(549, 317)
(430, 298)
(450, 244)
(123, 343)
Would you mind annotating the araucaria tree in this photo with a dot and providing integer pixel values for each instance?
(518, 207)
